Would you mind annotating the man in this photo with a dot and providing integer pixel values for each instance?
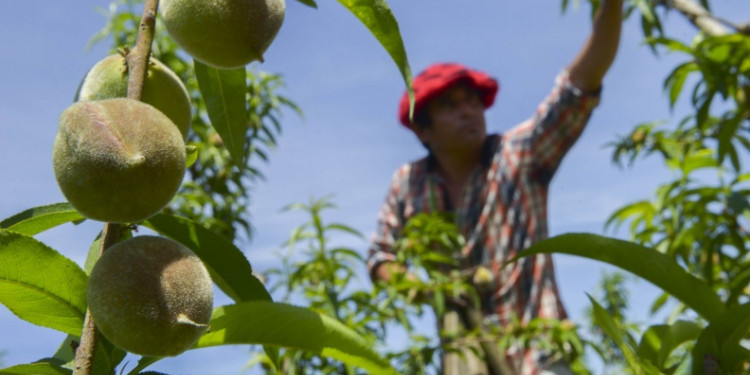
(496, 185)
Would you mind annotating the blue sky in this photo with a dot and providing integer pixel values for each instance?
(350, 141)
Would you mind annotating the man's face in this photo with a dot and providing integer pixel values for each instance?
(457, 121)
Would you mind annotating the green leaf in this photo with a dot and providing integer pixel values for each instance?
(343, 228)
(224, 90)
(644, 262)
(38, 219)
(143, 363)
(615, 331)
(637, 209)
(659, 341)
(378, 18)
(38, 368)
(107, 357)
(40, 285)
(191, 151)
(721, 339)
(310, 3)
(277, 324)
(676, 80)
(671, 44)
(227, 265)
(699, 160)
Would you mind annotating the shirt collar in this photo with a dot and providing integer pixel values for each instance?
(485, 158)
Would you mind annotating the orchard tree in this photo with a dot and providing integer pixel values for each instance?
(691, 239)
(120, 157)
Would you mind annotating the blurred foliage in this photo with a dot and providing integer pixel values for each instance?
(323, 276)
(700, 216)
(216, 192)
(614, 298)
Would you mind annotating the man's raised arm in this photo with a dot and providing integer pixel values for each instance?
(596, 56)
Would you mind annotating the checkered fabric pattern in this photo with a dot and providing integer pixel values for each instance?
(503, 209)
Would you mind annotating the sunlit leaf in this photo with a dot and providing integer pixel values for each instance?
(344, 228)
(721, 340)
(310, 3)
(38, 368)
(107, 357)
(39, 219)
(192, 155)
(40, 285)
(644, 262)
(676, 80)
(699, 160)
(659, 341)
(289, 326)
(671, 44)
(223, 91)
(615, 331)
(229, 268)
(378, 18)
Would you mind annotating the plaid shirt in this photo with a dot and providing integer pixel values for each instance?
(503, 209)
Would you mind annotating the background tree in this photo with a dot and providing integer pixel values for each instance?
(697, 223)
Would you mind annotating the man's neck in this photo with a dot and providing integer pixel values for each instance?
(456, 167)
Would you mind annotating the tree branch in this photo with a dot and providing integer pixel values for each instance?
(495, 359)
(700, 17)
(137, 60)
(84, 359)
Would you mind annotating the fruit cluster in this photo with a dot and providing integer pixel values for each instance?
(121, 160)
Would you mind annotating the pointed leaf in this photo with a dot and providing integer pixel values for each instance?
(143, 363)
(676, 80)
(644, 262)
(38, 368)
(378, 18)
(227, 265)
(659, 341)
(343, 228)
(722, 340)
(612, 329)
(107, 357)
(289, 326)
(224, 93)
(309, 3)
(191, 151)
(40, 285)
(38, 219)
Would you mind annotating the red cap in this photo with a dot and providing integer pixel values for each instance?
(438, 78)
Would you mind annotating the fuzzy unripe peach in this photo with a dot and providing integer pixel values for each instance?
(223, 33)
(162, 89)
(118, 160)
(150, 296)
(483, 279)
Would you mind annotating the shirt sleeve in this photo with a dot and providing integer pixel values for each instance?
(540, 142)
(389, 226)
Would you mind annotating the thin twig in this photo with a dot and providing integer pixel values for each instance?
(138, 57)
(137, 60)
(84, 359)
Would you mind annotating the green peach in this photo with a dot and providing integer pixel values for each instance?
(150, 296)
(223, 33)
(163, 89)
(118, 160)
